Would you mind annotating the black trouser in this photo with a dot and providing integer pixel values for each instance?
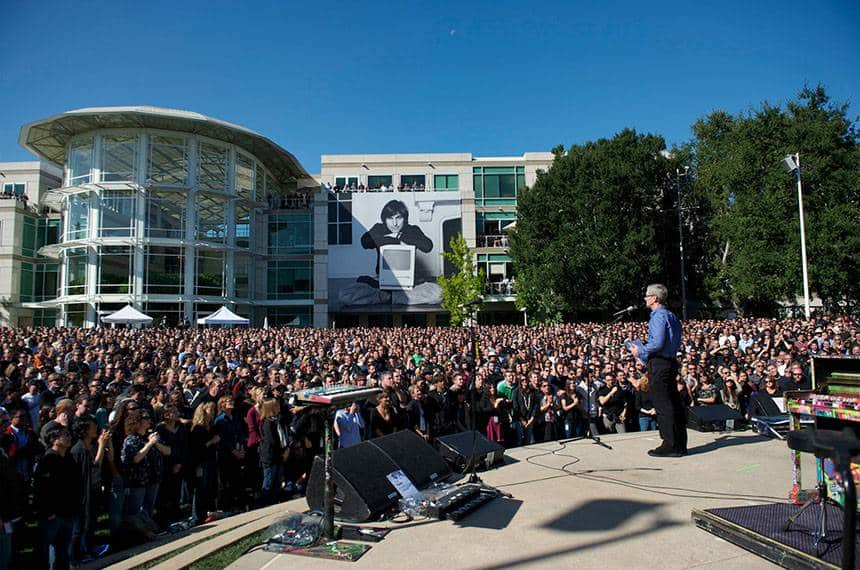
(671, 416)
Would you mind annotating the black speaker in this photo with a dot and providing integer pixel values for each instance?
(457, 450)
(417, 458)
(713, 417)
(362, 490)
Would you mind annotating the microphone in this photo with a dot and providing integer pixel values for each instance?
(629, 309)
(477, 301)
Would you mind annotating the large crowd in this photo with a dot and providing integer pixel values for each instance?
(134, 430)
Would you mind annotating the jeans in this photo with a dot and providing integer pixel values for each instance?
(617, 424)
(149, 497)
(56, 533)
(5, 549)
(115, 500)
(273, 476)
(134, 498)
(525, 435)
(647, 423)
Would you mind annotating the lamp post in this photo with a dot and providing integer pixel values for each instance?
(791, 163)
(681, 240)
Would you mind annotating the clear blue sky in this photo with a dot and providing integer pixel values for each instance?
(491, 78)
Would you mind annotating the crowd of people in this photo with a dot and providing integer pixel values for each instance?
(138, 429)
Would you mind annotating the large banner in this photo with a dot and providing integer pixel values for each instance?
(389, 248)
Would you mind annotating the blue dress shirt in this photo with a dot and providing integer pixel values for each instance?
(664, 335)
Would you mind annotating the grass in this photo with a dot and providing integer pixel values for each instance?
(226, 556)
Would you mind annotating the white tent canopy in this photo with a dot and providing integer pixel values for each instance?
(128, 315)
(223, 316)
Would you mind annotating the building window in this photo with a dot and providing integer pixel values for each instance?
(497, 185)
(210, 273)
(168, 161)
(168, 314)
(81, 161)
(76, 271)
(243, 225)
(165, 271)
(290, 316)
(211, 167)
(76, 314)
(244, 176)
(259, 184)
(242, 273)
(115, 270)
(446, 182)
(14, 190)
(79, 215)
(343, 183)
(339, 218)
(117, 213)
(377, 182)
(211, 224)
(412, 181)
(29, 237)
(26, 282)
(45, 281)
(165, 215)
(119, 158)
(290, 280)
(44, 317)
(47, 232)
(290, 234)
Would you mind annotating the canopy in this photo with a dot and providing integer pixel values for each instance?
(127, 315)
(223, 316)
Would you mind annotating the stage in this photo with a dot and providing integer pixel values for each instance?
(614, 508)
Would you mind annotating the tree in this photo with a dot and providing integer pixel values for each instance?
(754, 257)
(464, 285)
(597, 227)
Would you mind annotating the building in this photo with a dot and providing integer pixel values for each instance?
(177, 214)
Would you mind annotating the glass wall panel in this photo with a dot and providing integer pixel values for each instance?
(81, 161)
(210, 273)
(165, 215)
(76, 271)
(165, 270)
(242, 272)
(290, 234)
(244, 176)
(26, 282)
(211, 223)
(497, 185)
(290, 279)
(44, 317)
(243, 225)
(47, 232)
(168, 161)
(75, 315)
(446, 182)
(211, 167)
(117, 213)
(290, 316)
(119, 158)
(45, 281)
(28, 237)
(412, 181)
(164, 314)
(376, 182)
(115, 270)
(78, 215)
(259, 182)
(339, 218)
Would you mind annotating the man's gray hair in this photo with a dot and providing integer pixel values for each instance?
(658, 290)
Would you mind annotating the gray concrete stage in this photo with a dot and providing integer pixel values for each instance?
(614, 508)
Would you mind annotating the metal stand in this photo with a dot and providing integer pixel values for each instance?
(328, 529)
(820, 533)
(588, 434)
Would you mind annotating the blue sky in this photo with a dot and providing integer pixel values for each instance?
(491, 78)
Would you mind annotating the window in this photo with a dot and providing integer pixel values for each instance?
(47, 232)
(346, 182)
(244, 176)
(211, 167)
(290, 316)
(409, 181)
(79, 215)
(115, 270)
(119, 158)
(45, 281)
(497, 185)
(28, 237)
(211, 224)
(210, 273)
(165, 215)
(376, 182)
(168, 161)
(242, 273)
(81, 161)
(76, 314)
(259, 184)
(339, 218)
(14, 189)
(76, 271)
(290, 234)
(243, 225)
(165, 271)
(26, 283)
(44, 317)
(290, 280)
(168, 313)
(446, 182)
(117, 213)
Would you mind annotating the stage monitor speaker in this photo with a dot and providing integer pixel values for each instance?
(713, 417)
(417, 458)
(362, 489)
(457, 450)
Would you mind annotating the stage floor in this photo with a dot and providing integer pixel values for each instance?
(614, 508)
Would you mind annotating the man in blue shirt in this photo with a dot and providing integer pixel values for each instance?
(660, 356)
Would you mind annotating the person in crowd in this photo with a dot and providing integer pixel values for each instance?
(549, 408)
(569, 410)
(172, 433)
(526, 407)
(141, 466)
(88, 453)
(231, 454)
(349, 425)
(614, 404)
(203, 441)
(274, 449)
(13, 507)
(707, 393)
(63, 413)
(645, 406)
(382, 420)
(21, 444)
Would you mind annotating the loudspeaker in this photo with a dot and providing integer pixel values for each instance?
(713, 417)
(362, 490)
(417, 458)
(457, 450)
(763, 405)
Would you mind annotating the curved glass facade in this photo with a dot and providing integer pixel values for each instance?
(165, 220)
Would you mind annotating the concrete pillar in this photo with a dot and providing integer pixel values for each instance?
(190, 234)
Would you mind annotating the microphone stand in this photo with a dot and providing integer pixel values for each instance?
(588, 433)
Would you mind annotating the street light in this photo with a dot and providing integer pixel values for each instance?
(681, 240)
(791, 163)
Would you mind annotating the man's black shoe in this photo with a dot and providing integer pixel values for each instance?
(663, 452)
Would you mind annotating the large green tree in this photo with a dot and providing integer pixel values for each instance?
(754, 258)
(597, 227)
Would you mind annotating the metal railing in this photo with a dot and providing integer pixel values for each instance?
(500, 288)
(492, 241)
